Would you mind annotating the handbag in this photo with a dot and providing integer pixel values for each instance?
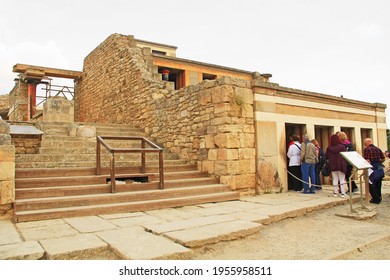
(325, 170)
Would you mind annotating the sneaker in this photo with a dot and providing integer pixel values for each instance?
(335, 194)
(342, 196)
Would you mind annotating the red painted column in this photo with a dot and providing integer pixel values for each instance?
(32, 97)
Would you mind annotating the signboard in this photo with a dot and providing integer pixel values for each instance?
(356, 160)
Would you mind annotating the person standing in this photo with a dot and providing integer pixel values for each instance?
(337, 164)
(294, 165)
(308, 158)
(319, 164)
(375, 157)
(349, 147)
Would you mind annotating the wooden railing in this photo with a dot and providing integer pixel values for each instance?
(153, 148)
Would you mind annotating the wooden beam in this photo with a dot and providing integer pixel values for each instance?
(46, 71)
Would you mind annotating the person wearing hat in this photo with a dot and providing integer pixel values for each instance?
(309, 159)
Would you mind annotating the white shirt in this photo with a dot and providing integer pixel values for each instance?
(294, 154)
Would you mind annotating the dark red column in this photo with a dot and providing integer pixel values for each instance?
(32, 96)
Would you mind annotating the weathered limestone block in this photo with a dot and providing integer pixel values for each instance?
(87, 131)
(239, 182)
(208, 166)
(221, 120)
(213, 154)
(58, 109)
(247, 111)
(227, 140)
(244, 166)
(7, 192)
(196, 143)
(234, 128)
(4, 127)
(268, 177)
(247, 153)
(226, 167)
(7, 171)
(227, 154)
(204, 97)
(245, 95)
(5, 139)
(247, 140)
(209, 141)
(7, 153)
(222, 94)
(221, 108)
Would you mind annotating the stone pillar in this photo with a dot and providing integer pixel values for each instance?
(230, 137)
(7, 169)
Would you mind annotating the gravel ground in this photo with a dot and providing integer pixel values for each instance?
(318, 235)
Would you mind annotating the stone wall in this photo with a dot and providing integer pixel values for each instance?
(4, 105)
(210, 123)
(18, 102)
(117, 83)
(26, 144)
(7, 169)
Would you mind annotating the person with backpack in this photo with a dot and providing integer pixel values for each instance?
(349, 147)
(308, 159)
(319, 164)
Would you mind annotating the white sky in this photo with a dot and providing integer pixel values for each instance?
(335, 47)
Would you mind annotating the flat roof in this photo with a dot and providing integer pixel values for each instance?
(24, 129)
(47, 71)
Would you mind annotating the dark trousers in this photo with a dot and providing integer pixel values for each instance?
(318, 175)
(293, 183)
(376, 191)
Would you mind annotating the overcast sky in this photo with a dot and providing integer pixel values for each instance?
(335, 47)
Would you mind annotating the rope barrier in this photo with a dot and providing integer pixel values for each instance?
(315, 185)
(299, 179)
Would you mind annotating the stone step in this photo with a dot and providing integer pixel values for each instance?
(150, 166)
(130, 158)
(63, 129)
(44, 214)
(171, 172)
(110, 198)
(90, 153)
(24, 183)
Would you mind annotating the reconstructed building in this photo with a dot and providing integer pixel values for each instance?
(233, 124)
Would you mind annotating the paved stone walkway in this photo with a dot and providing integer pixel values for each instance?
(158, 234)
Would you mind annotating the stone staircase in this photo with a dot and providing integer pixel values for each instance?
(61, 180)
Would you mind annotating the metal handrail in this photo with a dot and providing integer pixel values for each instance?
(143, 150)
